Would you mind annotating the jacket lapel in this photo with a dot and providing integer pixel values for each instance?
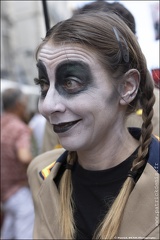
(49, 203)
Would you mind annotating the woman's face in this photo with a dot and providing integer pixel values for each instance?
(77, 96)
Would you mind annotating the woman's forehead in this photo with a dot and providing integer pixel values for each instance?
(51, 53)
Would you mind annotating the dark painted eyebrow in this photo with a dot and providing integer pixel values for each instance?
(40, 65)
(42, 71)
(72, 63)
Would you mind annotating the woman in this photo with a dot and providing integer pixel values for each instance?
(92, 75)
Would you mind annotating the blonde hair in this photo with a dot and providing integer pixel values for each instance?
(65, 188)
(95, 30)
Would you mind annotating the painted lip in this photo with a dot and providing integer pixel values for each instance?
(64, 127)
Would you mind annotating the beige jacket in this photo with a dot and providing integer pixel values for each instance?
(140, 219)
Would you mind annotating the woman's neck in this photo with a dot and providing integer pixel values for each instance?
(116, 149)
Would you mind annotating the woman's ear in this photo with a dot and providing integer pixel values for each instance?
(130, 86)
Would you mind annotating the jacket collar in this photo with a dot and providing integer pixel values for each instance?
(50, 202)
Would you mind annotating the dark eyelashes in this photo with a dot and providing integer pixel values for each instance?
(37, 81)
(42, 83)
(66, 86)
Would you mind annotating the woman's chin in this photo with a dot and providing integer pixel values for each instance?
(71, 145)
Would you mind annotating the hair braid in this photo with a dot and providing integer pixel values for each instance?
(147, 102)
(108, 228)
(65, 187)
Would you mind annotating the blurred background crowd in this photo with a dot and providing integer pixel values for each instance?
(23, 26)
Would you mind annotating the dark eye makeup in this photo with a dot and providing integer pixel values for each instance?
(43, 80)
(44, 86)
(42, 71)
(72, 77)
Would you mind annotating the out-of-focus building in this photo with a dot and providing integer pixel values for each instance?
(59, 10)
(22, 28)
(6, 46)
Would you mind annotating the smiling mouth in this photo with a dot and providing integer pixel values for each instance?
(63, 127)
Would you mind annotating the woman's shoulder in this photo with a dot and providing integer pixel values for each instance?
(46, 158)
(43, 161)
(141, 204)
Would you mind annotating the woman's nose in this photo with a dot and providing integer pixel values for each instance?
(52, 102)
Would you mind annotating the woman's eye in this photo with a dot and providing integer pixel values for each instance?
(72, 85)
(69, 84)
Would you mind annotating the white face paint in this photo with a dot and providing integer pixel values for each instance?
(78, 96)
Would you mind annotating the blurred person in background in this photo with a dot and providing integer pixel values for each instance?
(92, 75)
(105, 6)
(50, 139)
(37, 124)
(16, 199)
